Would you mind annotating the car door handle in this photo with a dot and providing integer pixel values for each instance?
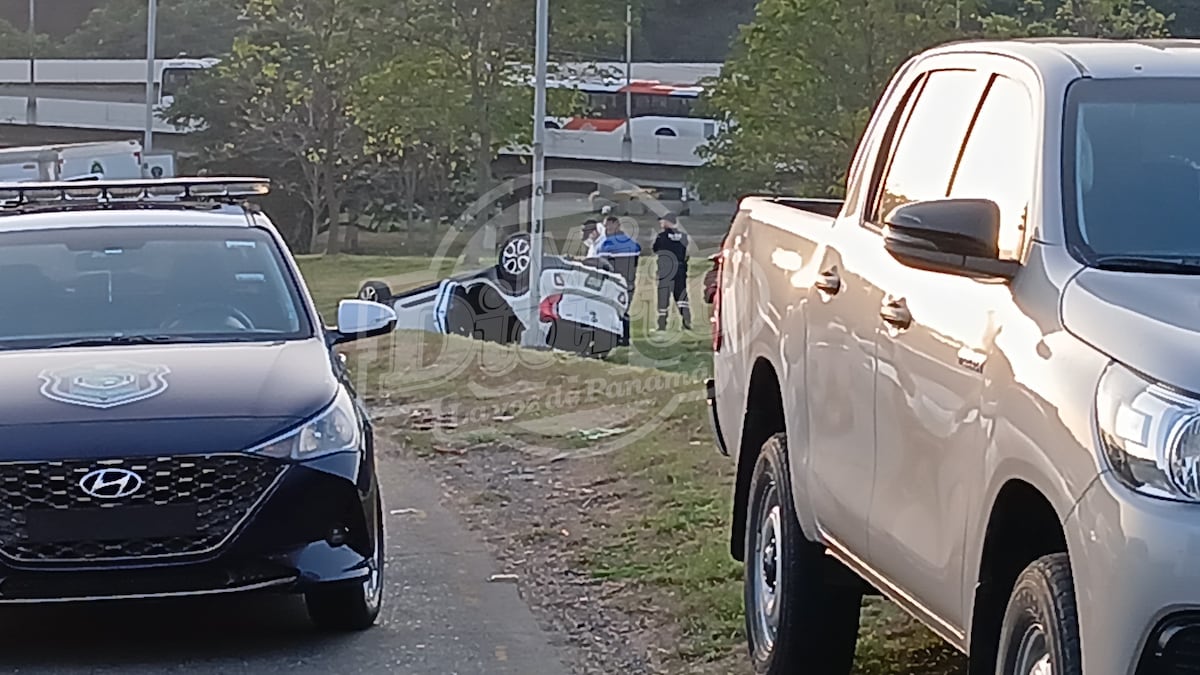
(829, 281)
(895, 313)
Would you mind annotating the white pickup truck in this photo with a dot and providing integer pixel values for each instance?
(973, 386)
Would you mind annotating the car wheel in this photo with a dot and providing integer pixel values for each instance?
(603, 342)
(375, 291)
(515, 257)
(1040, 633)
(460, 317)
(797, 620)
(495, 320)
(352, 606)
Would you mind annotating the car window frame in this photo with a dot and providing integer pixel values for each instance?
(1031, 187)
(872, 219)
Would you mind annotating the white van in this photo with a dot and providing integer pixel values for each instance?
(112, 160)
(109, 160)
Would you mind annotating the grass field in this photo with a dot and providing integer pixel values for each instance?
(668, 532)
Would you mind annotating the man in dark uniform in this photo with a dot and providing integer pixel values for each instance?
(671, 248)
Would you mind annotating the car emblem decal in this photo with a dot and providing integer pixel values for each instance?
(110, 483)
(104, 385)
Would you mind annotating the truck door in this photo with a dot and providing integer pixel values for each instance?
(935, 333)
(841, 313)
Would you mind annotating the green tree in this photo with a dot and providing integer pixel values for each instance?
(417, 113)
(14, 43)
(689, 30)
(1185, 21)
(117, 29)
(283, 98)
(482, 50)
(452, 87)
(1085, 18)
(800, 84)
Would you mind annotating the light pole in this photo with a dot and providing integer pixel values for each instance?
(151, 35)
(627, 141)
(532, 336)
(31, 106)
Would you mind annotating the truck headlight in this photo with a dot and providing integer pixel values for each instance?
(1150, 434)
(334, 430)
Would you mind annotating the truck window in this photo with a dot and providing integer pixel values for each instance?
(867, 163)
(1131, 167)
(999, 158)
(931, 141)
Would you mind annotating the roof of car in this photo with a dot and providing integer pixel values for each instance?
(216, 216)
(1098, 58)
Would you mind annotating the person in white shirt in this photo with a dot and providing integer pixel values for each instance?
(593, 237)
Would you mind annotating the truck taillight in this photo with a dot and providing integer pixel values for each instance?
(719, 268)
(548, 309)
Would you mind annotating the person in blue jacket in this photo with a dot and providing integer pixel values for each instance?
(623, 253)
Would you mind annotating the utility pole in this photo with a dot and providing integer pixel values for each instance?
(627, 141)
(533, 334)
(31, 105)
(151, 35)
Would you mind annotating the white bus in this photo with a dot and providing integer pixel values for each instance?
(108, 80)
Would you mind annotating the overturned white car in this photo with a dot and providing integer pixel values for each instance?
(580, 309)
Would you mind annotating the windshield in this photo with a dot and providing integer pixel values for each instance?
(1132, 185)
(172, 284)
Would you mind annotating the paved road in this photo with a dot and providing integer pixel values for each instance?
(442, 617)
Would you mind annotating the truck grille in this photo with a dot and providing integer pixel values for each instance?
(186, 505)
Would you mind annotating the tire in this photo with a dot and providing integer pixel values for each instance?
(797, 620)
(375, 291)
(352, 606)
(1040, 633)
(603, 342)
(460, 317)
(513, 266)
(494, 320)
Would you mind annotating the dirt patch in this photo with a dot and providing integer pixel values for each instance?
(540, 518)
(597, 486)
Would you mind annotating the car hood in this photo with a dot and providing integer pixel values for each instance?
(130, 401)
(1148, 322)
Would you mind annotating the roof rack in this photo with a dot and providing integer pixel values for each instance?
(96, 192)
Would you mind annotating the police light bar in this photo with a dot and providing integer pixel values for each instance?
(216, 188)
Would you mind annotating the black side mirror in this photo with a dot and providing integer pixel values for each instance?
(954, 236)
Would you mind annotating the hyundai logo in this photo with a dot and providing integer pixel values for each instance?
(110, 483)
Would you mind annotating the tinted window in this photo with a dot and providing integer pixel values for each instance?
(999, 158)
(929, 144)
(174, 80)
(183, 284)
(1131, 180)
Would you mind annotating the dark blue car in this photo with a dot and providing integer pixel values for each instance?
(174, 420)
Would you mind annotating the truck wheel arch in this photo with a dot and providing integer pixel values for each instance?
(1022, 526)
(764, 418)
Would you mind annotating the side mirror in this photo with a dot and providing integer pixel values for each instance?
(954, 236)
(359, 319)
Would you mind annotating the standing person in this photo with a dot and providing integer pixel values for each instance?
(623, 252)
(593, 236)
(671, 247)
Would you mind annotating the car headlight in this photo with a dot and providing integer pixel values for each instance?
(334, 430)
(1150, 434)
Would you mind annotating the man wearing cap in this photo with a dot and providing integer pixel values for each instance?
(671, 248)
(592, 238)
